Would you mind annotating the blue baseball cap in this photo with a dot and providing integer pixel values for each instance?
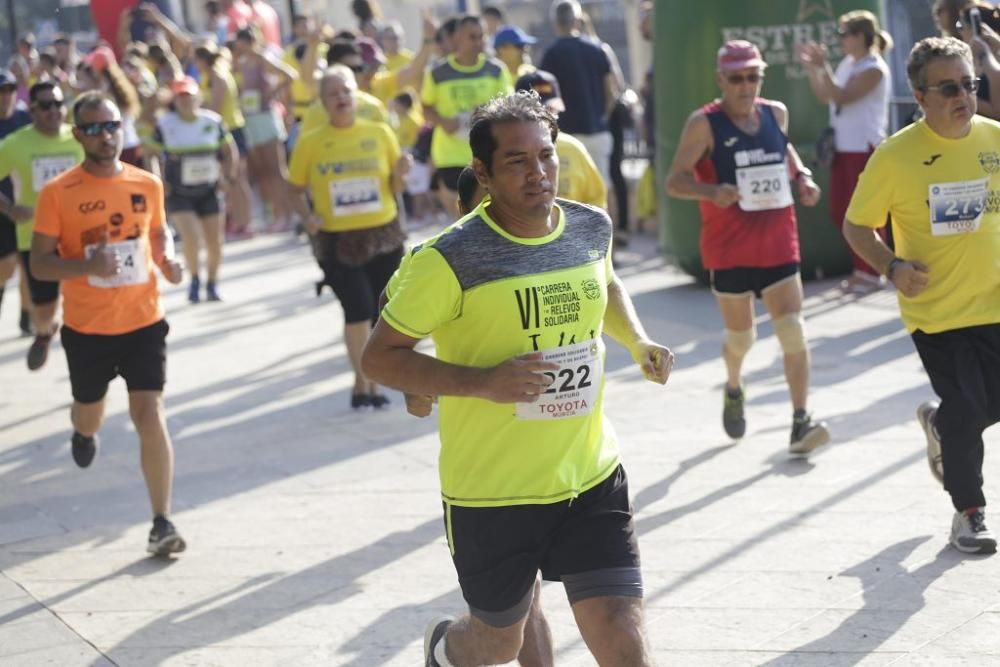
(511, 34)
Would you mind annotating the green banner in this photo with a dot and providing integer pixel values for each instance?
(688, 36)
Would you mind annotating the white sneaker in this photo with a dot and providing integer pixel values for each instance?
(435, 632)
(925, 414)
(970, 535)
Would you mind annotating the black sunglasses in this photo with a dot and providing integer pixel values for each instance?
(952, 89)
(95, 129)
(737, 79)
(46, 105)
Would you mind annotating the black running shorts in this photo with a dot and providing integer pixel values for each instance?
(139, 357)
(201, 204)
(8, 237)
(741, 281)
(588, 543)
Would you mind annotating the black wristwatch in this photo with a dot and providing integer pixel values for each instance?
(896, 261)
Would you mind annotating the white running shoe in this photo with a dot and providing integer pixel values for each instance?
(969, 533)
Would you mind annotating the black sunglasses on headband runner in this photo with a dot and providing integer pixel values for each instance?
(95, 129)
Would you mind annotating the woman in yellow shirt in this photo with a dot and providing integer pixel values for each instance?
(353, 170)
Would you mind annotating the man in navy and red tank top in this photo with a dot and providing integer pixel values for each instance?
(735, 158)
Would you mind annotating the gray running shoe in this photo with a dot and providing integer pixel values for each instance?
(164, 538)
(970, 535)
(733, 419)
(925, 415)
(807, 435)
(435, 632)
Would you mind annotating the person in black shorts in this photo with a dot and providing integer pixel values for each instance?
(197, 152)
(101, 231)
(531, 481)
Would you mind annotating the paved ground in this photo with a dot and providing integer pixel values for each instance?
(315, 534)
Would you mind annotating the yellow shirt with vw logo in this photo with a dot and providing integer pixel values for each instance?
(944, 198)
(348, 172)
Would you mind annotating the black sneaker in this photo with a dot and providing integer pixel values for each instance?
(164, 538)
(38, 353)
(733, 419)
(359, 401)
(435, 632)
(379, 401)
(25, 325)
(211, 294)
(969, 533)
(807, 435)
(84, 448)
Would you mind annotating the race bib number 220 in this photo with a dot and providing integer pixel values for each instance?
(575, 386)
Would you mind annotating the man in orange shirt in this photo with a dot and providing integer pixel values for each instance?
(100, 231)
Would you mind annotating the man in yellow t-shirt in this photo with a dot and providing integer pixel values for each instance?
(939, 179)
(452, 90)
(579, 178)
(516, 296)
(32, 156)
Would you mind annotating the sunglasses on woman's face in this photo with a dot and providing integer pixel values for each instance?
(95, 129)
(46, 105)
(738, 79)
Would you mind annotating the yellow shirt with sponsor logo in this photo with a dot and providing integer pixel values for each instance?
(369, 107)
(454, 91)
(348, 172)
(944, 198)
(579, 178)
(485, 296)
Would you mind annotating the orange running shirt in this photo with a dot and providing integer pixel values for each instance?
(79, 209)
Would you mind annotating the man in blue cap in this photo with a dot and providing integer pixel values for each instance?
(13, 116)
(510, 45)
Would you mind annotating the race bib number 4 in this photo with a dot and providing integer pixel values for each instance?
(575, 386)
(132, 258)
(354, 196)
(764, 187)
(44, 169)
(957, 208)
(199, 170)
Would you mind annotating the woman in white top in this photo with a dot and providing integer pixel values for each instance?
(858, 94)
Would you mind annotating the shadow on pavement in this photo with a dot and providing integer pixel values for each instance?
(891, 591)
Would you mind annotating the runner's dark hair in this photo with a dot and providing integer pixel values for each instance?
(524, 106)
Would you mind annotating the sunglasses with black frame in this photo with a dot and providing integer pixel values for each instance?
(46, 105)
(95, 129)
